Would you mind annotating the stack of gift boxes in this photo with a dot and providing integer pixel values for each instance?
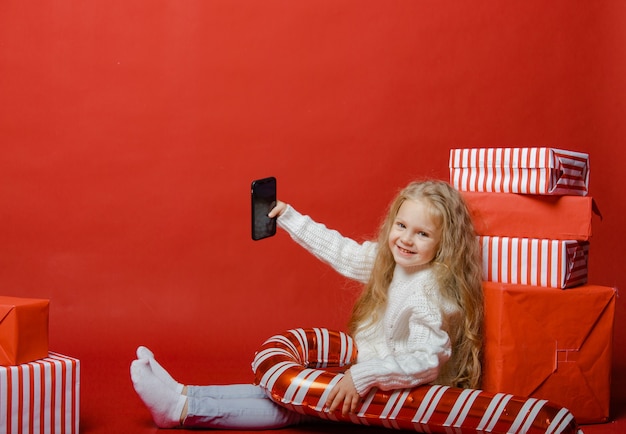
(548, 333)
(39, 390)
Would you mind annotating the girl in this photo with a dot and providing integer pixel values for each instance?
(418, 320)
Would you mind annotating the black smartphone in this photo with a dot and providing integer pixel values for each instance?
(263, 200)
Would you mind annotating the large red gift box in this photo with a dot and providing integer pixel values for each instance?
(531, 216)
(520, 170)
(42, 396)
(551, 344)
(23, 330)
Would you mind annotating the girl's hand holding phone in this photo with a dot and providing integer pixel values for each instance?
(278, 210)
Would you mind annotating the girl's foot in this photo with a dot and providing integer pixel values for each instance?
(159, 371)
(165, 405)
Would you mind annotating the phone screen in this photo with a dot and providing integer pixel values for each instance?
(263, 200)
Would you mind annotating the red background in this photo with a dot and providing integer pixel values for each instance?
(130, 131)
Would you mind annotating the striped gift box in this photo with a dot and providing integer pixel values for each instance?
(520, 170)
(527, 261)
(41, 396)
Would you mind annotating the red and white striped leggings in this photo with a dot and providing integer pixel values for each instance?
(298, 369)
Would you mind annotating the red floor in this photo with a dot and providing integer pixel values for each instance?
(110, 405)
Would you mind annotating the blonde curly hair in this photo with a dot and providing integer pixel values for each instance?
(458, 270)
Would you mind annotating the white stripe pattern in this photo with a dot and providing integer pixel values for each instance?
(521, 416)
(524, 261)
(42, 396)
(520, 170)
(561, 420)
(300, 384)
(492, 412)
(461, 408)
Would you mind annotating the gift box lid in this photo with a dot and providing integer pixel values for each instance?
(23, 329)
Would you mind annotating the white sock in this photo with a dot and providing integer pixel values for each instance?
(165, 405)
(159, 371)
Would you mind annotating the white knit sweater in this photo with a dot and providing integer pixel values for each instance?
(408, 346)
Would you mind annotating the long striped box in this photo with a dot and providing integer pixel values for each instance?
(537, 262)
(520, 170)
(41, 397)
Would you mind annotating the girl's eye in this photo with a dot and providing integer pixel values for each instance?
(422, 234)
(401, 225)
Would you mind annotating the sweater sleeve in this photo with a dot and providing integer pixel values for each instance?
(346, 256)
(399, 372)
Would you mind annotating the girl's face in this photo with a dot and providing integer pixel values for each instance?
(414, 236)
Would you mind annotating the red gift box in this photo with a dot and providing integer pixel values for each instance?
(551, 344)
(531, 216)
(552, 263)
(23, 330)
(42, 396)
(520, 170)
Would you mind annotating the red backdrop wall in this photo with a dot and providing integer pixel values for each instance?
(130, 132)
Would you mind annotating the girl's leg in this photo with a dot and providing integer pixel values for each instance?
(238, 406)
(231, 391)
(227, 391)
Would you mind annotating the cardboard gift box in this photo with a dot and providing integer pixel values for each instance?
(551, 344)
(531, 216)
(23, 330)
(42, 396)
(526, 261)
(520, 170)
